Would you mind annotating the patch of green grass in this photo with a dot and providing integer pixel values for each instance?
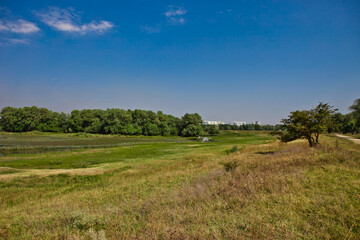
(32, 139)
(8, 170)
(155, 148)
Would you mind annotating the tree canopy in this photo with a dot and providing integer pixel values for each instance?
(109, 121)
(308, 124)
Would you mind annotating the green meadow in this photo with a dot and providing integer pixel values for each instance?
(239, 185)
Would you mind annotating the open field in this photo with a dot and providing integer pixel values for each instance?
(178, 188)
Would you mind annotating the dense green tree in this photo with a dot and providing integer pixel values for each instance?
(151, 129)
(130, 129)
(75, 121)
(32, 119)
(355, 108)
(323, 117)
(11, 119)
(308, 124)
(299, 124)
(165, 129)
(211, 129)
(192, 131)
(191, 119)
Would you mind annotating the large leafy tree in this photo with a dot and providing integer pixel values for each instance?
(192, 131)
(191, 125)
(191, 119)
(299, 124)
(308, 124)
(323, 118)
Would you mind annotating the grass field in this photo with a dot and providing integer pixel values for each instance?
(37, 142)
(179, 188)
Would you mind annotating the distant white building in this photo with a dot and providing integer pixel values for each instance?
(216, 123)
(257, 123)
(238, 123)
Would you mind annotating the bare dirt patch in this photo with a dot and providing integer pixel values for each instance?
(355, 140)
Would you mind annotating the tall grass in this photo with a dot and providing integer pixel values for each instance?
(296, 192)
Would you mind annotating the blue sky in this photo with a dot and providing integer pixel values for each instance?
(226, 60)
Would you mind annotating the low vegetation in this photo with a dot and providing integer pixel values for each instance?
(185, 190)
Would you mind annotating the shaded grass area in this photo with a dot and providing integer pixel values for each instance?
(295, 192)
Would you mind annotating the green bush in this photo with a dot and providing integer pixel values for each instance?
(234, 148)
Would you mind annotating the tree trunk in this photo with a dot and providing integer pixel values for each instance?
(317, 137)
(310, 141)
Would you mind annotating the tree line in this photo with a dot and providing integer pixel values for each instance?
(308, 124)
(110, 121)
(348, 123)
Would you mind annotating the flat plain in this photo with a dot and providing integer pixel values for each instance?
(240, 185)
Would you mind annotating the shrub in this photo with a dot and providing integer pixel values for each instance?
(230, 166)
(234, 148)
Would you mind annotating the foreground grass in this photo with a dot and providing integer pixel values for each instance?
(276, 192)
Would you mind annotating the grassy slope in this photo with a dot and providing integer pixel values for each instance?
(277, 192)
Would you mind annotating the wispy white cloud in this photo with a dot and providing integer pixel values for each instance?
(18, 26)
(151, 29)
(13, 41)
(12, 26)
(172, 12)
(224, 11)
(175, 15)
(67, 20)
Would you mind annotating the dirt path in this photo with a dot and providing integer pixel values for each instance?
(355, 140)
